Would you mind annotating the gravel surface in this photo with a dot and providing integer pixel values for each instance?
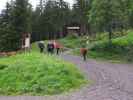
(111, 82)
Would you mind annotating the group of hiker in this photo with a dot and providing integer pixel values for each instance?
(51, 47)
(54, 46)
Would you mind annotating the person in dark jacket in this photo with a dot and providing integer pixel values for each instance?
(50, 47)
(41, 46)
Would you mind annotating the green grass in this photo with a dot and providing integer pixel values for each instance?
(37, 74)
(34, 47)
(125, 40)
(121, 49)
(100, 56)
(71, 42)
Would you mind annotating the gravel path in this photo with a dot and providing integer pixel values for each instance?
(112, 82)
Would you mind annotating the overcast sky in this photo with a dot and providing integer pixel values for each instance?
(34, 2)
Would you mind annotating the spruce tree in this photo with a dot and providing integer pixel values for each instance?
(14, 21)
(7, 33)
(109, 15)
(21, 19)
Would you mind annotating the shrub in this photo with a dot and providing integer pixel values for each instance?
(37, 74)
(72, 36)
(129, 54)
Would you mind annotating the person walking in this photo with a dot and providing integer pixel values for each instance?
(41, 46)
(84, 53)
(57, 46)
(57, 49)
(50, 47)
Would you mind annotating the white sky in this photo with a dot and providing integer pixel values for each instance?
(34, 2)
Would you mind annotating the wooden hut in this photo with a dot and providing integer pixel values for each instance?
(72, 29)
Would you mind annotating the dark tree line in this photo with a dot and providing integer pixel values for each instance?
(110, 15)
(50, 17)
(14, 21)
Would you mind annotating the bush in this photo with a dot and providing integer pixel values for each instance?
(3, 67)
(9, 40)
(107, 47)
(71, 42)
(37, 74)
(119, 49)
(129, 54)
(72, 36)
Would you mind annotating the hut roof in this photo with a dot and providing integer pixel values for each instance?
(73, 28)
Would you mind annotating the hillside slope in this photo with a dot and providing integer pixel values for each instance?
(120, 49)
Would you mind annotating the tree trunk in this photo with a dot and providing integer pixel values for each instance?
(110, 37)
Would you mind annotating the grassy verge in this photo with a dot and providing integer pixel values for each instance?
(114, 58)
(71, 42)
(121, 49)
(36, 74)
